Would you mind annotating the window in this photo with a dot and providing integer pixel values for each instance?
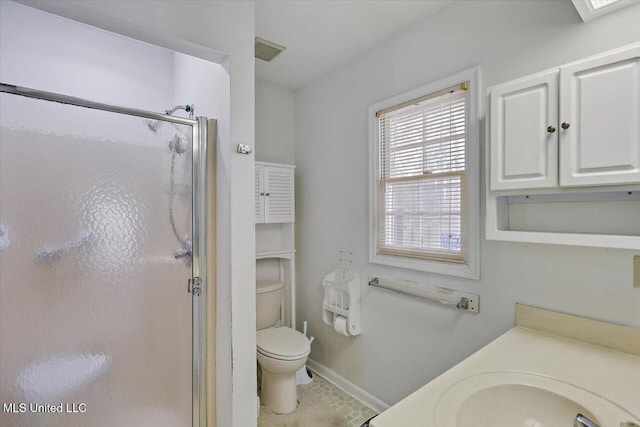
(424, 191)
(590, 9)
(422, 176)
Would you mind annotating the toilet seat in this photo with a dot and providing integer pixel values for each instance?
(282, 343)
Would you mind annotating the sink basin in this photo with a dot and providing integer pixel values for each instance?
(511, 405)
(511, 399)
(529, 377)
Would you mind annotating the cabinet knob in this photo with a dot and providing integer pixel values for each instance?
(266, 194)
(551, 129)
(565, 125)
(262, 194)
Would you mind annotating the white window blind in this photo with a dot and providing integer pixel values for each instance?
(422, 183)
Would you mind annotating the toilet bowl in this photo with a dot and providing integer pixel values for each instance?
(281, 351)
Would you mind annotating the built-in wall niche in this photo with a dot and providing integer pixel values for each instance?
(601, 215)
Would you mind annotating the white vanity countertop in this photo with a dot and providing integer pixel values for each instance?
(611, 374)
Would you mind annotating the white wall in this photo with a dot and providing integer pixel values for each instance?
(407, 341)
(94, 64)
(204, 84)
(47, 52)
(275, 123)
(212, 30)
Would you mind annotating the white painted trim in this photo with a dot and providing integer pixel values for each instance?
(347, 386)
(587, 12)
(276, 165)
(431, 266)
(471, 270)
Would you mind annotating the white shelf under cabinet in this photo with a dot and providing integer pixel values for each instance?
(572, 239)
(286, 254)
(498, 225)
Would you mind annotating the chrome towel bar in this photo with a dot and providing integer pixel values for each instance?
(449, 297)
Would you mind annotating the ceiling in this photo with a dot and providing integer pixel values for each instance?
(322, 35)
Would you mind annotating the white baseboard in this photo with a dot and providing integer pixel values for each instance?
(347, 386)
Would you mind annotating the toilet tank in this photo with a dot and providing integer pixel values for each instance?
(268, 302)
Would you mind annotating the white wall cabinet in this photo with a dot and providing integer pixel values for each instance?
(524, 143)
(563, 162)
(600, 101)
(577, 125)
(274, 193)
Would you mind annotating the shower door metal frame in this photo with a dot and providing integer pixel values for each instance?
(198, 264)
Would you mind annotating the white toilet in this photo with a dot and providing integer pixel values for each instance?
(281, 350)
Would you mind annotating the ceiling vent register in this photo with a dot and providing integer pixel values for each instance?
(267, 50)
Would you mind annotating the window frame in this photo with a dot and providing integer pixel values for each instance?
(587, 12)
(470, 269)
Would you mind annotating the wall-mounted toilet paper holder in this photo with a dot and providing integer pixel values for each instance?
(341, 304)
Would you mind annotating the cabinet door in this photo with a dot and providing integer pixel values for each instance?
(524, 129)
(278, 190)
(259, 194)
(600, 103)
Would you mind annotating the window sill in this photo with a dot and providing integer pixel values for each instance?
(466, 271)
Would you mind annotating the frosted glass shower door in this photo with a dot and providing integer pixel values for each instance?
(95, 317)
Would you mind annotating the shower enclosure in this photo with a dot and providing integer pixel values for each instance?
(102, 264)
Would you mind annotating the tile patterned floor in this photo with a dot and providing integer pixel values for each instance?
(321, 405)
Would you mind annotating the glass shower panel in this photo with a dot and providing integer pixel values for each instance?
(95, 229)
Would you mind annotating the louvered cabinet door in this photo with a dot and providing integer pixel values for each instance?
(278, 200)
(600, 120)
